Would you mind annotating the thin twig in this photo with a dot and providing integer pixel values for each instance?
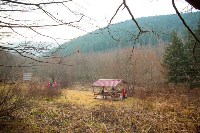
(184, 23)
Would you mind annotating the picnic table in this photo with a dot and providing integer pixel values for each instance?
(109, 87)
(113, 95)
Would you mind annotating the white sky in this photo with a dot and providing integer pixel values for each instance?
(99, 12)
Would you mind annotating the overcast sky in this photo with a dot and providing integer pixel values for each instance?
(98, 13)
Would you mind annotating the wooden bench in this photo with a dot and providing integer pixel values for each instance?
(113, 95)
(96, 94)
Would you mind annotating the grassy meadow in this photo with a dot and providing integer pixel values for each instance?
(166, 110)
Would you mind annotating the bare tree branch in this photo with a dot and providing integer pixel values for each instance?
(45, 36)
(13, 25)
(115, 14)
(31, 58)
(13, 10)
(194, 3)
(38, 4)
(184, 23)
(132, 17)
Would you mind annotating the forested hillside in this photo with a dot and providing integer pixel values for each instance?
(123, 33)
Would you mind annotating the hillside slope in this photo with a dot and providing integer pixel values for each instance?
(101, 40)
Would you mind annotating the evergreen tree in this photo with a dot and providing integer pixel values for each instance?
(193, 59)
(183, 60)
(197, 48)
(175, 59)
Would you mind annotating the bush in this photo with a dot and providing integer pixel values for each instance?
(12, 99)
(41, 91)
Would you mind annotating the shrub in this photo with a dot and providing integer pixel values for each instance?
(41, 91)
(12, 99)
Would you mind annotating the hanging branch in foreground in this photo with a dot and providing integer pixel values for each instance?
(184, 23)
(37, 4)
(19, 23)
(31, 58)
(125, 6)
(194, 3)
(141, 31)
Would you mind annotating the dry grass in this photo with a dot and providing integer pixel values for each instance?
(153, 110)
(86, 99)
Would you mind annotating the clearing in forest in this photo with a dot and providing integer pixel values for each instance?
(86, 99)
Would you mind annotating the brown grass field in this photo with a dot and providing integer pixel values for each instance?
(74, 111)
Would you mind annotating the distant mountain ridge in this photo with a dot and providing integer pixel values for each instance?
(104, 39)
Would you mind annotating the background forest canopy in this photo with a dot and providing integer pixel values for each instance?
(98, 55)
(123, 34)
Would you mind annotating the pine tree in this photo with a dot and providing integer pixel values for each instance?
(174, 58)
(183, 60)
(193, 59)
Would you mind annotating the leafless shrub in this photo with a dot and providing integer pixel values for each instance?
(64, 83)
(12, 101)
(41, 91)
